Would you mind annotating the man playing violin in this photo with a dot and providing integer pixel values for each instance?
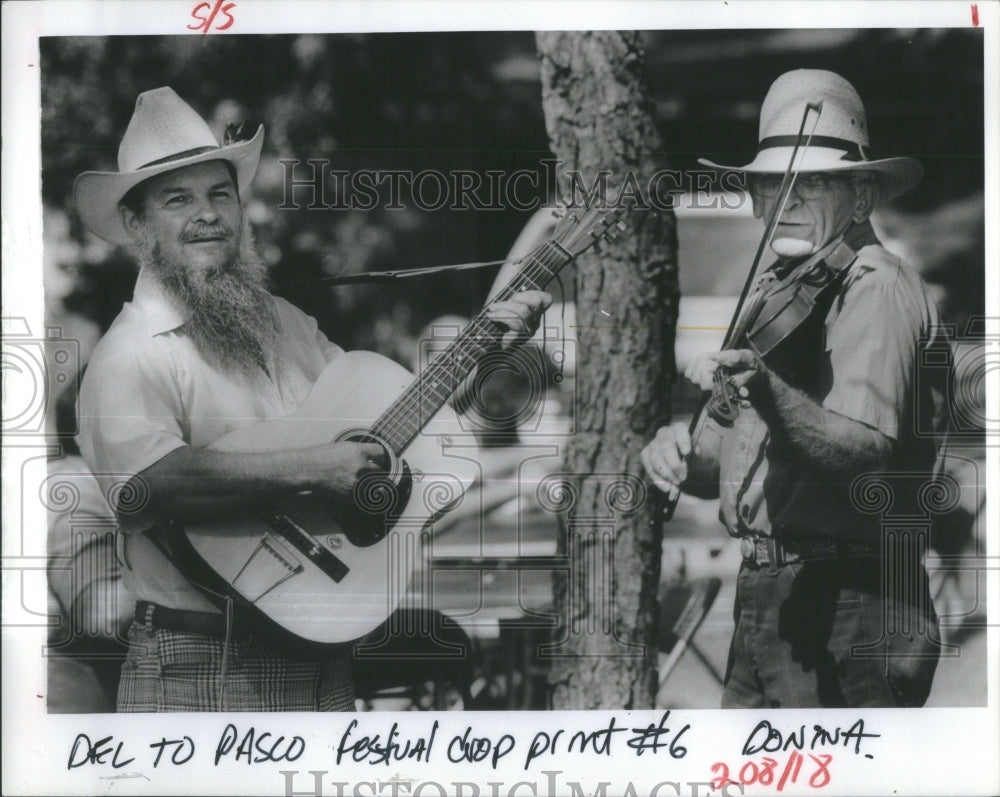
(203, 349)
(816, 395)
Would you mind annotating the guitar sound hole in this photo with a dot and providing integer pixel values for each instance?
(379, 497)
(378, 503)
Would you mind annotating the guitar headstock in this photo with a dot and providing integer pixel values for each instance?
(579, 228)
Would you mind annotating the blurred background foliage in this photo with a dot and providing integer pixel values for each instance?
(471, 101)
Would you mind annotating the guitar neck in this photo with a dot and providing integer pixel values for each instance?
(399, 424)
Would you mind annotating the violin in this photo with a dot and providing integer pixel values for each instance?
(782, 309)
(778, 310)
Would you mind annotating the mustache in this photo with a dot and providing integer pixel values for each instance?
(201, 231)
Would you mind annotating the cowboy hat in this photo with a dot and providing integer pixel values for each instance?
(165, 133)
(839, 140)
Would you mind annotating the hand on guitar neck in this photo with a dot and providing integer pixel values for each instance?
(521, 315)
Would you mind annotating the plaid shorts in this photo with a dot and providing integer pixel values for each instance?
(174, 671)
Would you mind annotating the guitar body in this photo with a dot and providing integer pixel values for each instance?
(297, 561)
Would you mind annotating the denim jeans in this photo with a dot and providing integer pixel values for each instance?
(822, 634)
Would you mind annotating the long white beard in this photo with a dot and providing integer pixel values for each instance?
(231, 317)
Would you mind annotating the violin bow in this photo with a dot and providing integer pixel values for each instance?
(668, 503)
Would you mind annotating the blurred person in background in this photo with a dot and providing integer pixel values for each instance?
(86, 646)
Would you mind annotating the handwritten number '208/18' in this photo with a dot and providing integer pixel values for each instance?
(765, 772)
(205, 22)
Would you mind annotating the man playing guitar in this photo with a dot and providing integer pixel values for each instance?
(202, 350)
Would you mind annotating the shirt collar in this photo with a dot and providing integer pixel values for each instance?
(161, 312)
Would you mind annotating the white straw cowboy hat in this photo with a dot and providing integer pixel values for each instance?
(839, 142)
(165, 133)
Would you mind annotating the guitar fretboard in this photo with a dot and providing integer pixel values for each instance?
(435, 384)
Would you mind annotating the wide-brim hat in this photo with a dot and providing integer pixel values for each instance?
(165, 133)
(838, 142)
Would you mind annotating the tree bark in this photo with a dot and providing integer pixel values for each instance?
(598, 117)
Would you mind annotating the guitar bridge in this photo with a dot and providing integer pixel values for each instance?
(270, 564)
(308, 545)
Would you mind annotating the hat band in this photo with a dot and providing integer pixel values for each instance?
(854, 149)
(188, 153)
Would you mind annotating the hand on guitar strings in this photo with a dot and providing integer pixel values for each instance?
(521, 315)
(339, 466)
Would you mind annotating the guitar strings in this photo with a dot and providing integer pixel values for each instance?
(399, 417)
(561, 364)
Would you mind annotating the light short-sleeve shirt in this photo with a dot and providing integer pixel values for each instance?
(880, 321)
(148, 391)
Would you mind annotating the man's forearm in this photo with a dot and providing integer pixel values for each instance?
(191, 480)
(823, 439)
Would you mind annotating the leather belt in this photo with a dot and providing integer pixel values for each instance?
(188, 622)
(771, 552)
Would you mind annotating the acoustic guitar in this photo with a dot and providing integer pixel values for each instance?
(332, 571)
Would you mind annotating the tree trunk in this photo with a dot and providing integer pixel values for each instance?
(598, 117)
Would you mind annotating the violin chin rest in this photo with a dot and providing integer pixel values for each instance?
(791, 247)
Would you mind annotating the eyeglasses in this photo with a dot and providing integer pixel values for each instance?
(807, 186)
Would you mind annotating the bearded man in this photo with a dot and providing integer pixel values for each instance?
(829, 611)
(203, 349)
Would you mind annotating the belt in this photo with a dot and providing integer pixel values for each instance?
(187, 622)
(771, 552)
